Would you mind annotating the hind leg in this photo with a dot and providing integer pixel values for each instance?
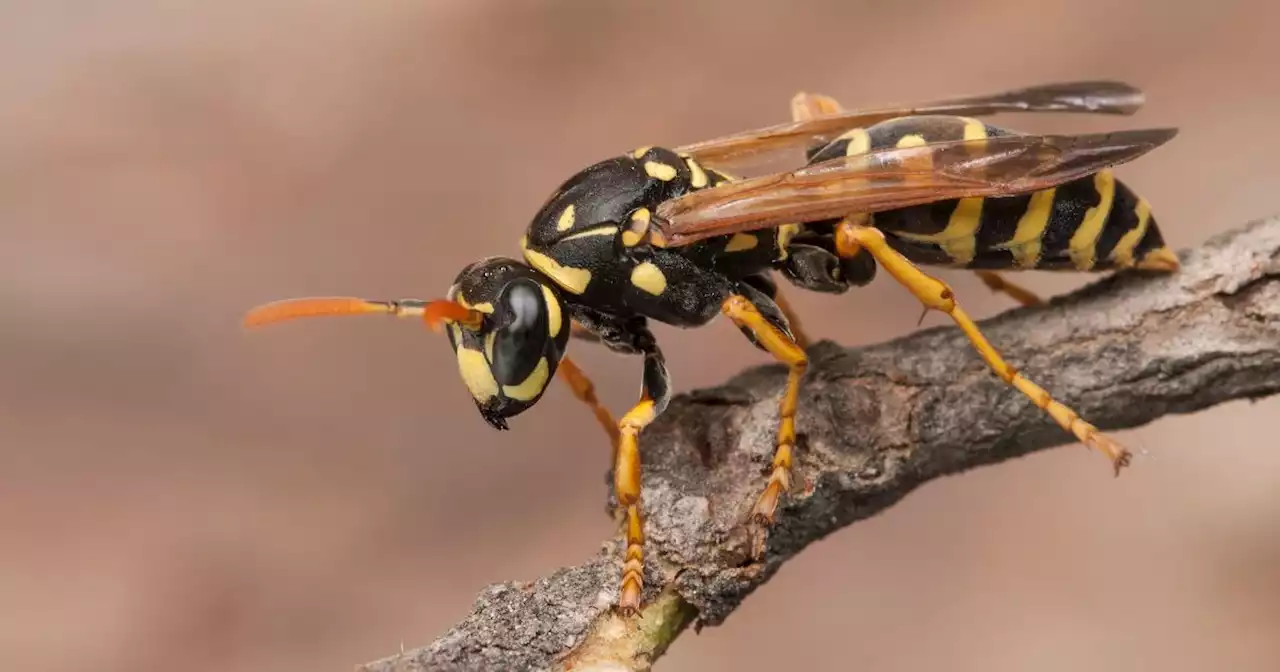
(853, 237)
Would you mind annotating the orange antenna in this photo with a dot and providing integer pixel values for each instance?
(434, 313)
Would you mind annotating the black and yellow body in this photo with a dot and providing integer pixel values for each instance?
(896, 193)
(1094, 223)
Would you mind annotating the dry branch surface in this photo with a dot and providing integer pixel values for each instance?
(877, 422)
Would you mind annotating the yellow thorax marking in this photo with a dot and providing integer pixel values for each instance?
(565, 222)
(597, 231)
(573, 280)
(638, 227)
(785, 233)
(649, 278)
(660, 171)
(740, 242)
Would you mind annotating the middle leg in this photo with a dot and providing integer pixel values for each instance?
(749, 309)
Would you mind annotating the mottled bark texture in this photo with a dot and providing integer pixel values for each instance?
(876, 423)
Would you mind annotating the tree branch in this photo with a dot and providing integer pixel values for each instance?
(876, 423)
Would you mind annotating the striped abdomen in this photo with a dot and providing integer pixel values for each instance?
(1091, 224)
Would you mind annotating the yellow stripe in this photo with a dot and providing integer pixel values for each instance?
(958, 239)
(967, 216)
(974, 129)
(912, 140)
(572, 279)
(962, 230)
(1084, 243)
(859, 142)
(785, 233)
(598, 231)
(1025, 244)
(697, 177)
(1123, 254)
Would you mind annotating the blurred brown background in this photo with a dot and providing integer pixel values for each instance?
(175, 493)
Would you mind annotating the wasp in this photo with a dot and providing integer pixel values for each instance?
(682, 235)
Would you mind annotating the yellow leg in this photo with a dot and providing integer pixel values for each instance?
(585, 391)
(852, 237)
(626, 485)
(745, 315)
(793, 319)
(996, 283)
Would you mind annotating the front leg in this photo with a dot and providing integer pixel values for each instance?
(626, 473)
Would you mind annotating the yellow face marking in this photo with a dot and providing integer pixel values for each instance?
(660, 171)
(554, 318)
(489, 340)
(649, 278)
(1123, 252)
(1083, 245)
(532, 386)
(1025, 244)
(598, 231)
(565, 222)
(641, 151)
(573, 280)
(859, 142)
(741, 241)
(485, 307)
(698, 177)
(476, 374)
(785, 233)
(456, 331)
(912, 140)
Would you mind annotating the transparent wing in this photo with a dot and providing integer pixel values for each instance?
(898, 177)
(764, 147)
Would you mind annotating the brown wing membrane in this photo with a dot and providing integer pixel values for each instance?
(767, 146)
(898, 177)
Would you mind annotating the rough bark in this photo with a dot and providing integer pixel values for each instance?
(876, 423)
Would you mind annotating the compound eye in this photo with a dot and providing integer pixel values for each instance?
(521, 339)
